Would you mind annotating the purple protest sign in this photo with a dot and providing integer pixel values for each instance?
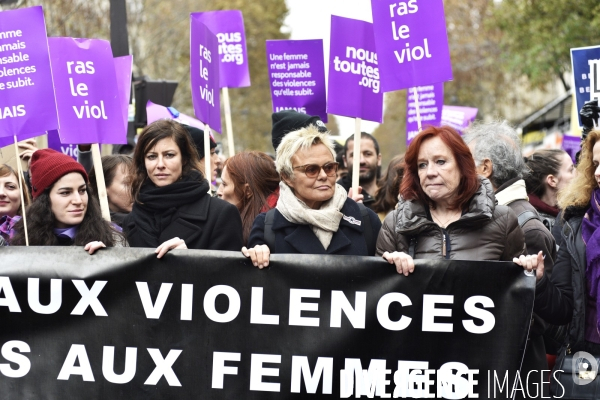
(228, 25)
(297, 76)
(156, 112)
(123, 66)
(571, 144)
(431, 98)
(27, 103)
(457, 117)
(412, 43)
(8, 140)
(204, 71)
(87, 95)
(54, 143)
(353, 84)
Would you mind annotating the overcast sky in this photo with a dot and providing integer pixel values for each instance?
(311, 19)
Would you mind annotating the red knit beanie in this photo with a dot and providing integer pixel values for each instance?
(48, 166)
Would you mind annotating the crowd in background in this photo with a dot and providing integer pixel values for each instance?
(470, 197)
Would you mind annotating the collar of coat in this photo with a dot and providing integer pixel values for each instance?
(512, 190)
(302, 237)
(413, 216)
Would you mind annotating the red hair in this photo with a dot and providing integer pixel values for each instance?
(469, 182)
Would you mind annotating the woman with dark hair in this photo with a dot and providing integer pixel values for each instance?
(115, 168)
(63, 213)
(11, 208)
(549, 172)
(250, 182)
(445, 210)
(386, 196)
(172, 208)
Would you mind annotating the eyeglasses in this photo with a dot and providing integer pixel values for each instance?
(313, 170)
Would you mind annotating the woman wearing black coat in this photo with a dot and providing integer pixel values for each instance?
(571, 296)
(172, 208)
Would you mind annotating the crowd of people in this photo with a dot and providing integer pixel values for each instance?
(470, 197)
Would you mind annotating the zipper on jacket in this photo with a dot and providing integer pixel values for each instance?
(445, 243)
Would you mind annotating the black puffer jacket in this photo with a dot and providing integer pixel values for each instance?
(485, 231)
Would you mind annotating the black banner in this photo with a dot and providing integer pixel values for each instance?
(122, 324)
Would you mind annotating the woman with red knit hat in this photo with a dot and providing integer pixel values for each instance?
(63, 212)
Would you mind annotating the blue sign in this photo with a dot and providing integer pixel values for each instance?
(580, 58)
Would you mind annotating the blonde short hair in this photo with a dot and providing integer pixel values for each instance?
(302, 139)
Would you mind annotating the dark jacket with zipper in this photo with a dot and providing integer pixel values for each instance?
(300, 239)
(483, 232)
(562, 298)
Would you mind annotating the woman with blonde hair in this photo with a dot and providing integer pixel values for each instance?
(572, 294)
(314, 215)
(11, 208)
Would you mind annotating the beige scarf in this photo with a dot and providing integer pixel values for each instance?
(324, 221)
(516, 191)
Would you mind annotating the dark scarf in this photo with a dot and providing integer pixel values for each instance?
(542, 207)
(591, 238)
(160, 204)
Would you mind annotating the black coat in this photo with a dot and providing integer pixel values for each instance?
(208, 223)
(561, 300)
(300, 239)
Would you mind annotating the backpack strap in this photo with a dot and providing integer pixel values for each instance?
(527, 215)
(367, 229)
(268, 233)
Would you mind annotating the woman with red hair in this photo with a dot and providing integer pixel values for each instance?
(250, 182)
(445, 210)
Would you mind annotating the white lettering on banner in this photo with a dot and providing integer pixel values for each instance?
(257, 371)
(153, 311)
(108, 365)
(383, 315)
(77, 354)
(219, 368)
(356, 314)
(430, 312)
(411, 379)
(89, 298)
(9, 300)
(256, 307)
(489, 321)
(323, 368)
(23, 363)
(297, 306)
(33, 296)
(163, 367)
(234, 303)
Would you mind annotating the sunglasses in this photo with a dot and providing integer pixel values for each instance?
(313, 170)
